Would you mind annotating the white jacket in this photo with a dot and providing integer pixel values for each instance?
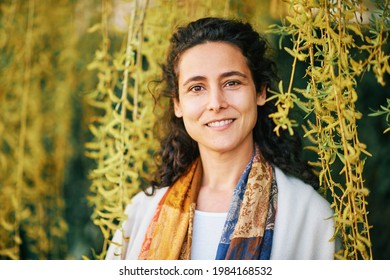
(303, 226)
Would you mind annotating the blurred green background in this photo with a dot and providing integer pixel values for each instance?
(82, 237)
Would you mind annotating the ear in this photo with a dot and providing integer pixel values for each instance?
(262, 95)
(176, 106)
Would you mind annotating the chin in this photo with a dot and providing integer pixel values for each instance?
(220, 147)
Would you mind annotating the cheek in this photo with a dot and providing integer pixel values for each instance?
(245, 105)
(191, 121)
(191, 109)
(249, 111)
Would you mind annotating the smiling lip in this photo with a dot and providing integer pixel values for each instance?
(220, 123)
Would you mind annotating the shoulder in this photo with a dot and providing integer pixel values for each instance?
(294, 190)
(145, 200)
(304, 221)
(127, 241)
(142, 207)
(141, 204)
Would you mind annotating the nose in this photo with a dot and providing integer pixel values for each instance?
(216, 100)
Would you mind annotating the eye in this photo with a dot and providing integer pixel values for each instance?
(232, 83)
(196, 88)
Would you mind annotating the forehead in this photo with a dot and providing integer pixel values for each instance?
(211, 58)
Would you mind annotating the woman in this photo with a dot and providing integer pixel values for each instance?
(227, 186)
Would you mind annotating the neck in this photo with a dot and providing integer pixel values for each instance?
(221, 171)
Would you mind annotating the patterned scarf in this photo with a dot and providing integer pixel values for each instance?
(248, 230)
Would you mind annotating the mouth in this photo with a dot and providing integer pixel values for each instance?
(219, 123)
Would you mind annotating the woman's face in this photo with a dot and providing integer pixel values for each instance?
(217, 97)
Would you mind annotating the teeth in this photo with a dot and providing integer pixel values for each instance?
(221, 123)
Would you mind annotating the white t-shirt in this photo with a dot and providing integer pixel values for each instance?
(206, 234)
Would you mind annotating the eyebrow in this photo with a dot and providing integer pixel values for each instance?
(223, 75)
(233, 73)
(194, 78)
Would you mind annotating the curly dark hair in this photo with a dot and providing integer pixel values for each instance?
(178, 149)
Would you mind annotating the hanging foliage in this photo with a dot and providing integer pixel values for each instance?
(326, 34)
(121, 130)
(37, 61)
